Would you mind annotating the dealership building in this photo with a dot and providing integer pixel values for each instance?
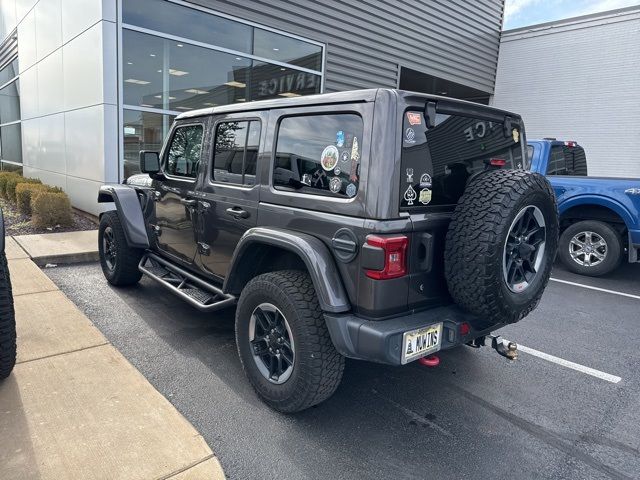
(86, 84)
(578, 79)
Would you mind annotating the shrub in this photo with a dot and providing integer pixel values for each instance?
(50, 209)
(13, 182)
(24, 194)
(4, 179)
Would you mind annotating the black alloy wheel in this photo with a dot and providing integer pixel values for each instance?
(272, 343)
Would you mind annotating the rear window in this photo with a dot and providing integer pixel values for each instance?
(567, 160)
(437, 162)
(319, 154)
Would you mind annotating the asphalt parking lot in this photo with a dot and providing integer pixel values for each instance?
(477, 415)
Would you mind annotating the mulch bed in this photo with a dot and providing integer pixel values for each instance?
(15, 223)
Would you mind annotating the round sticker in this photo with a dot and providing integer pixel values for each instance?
(344, 156)
(425, 196)
(337, 170)
(329, 158)
(335, 184)
(351, 190)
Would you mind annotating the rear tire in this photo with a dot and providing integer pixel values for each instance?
(7, 321)
(590, 248)
(501, 244)
(316, 367)
(119, 262)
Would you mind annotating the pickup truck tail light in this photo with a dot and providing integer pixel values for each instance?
(395, 256)
(571, 144)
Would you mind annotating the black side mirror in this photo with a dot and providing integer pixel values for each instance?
(149, 162)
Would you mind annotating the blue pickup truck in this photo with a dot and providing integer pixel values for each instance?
(599, 217)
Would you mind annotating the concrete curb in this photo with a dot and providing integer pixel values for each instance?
(60, 248)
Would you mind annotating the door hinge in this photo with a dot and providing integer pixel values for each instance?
(204, 249)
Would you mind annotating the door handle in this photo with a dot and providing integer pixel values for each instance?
(237, 212)
(188, 202)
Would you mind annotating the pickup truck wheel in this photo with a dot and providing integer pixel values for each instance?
(501, 244)
(7, 321)
(590, 248)
(283, 342)
(119, 262)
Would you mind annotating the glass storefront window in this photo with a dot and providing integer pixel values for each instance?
(11, 143)
(10, 103)
(142, 131)
(274, 81)
(275, 46)
(187, 23)
(161, 73)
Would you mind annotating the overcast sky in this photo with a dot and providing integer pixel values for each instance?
(521, 13)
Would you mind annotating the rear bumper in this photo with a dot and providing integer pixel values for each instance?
(380, 341)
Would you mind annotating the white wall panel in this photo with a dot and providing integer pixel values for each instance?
(84, 195)
(7, 17)
(110, 62)
(85, 141)
(27, 54)
(51, 156)
(50, 84)
(48, 27)
(29, 93)
(578, 80)
(50, 178)
(109, 10)
(23, 7)
(78, 15)
(30, 141)
(83, 82)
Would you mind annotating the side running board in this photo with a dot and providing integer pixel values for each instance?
(197, 292)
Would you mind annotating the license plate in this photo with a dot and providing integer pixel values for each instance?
(420, 342)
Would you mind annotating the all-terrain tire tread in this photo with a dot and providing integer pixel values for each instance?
(473, 245)
(325, 365)
(7, 321)
(127, 259)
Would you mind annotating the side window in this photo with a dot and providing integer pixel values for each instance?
(236, 152)
(319, 154)
(557, 163)
(183, 159)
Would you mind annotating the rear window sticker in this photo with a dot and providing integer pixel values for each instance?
(410, 195)
(355, 156)
(337, 170)
(306, 179)
(425, 181)
(516, 135)
(329, 158)
(414, 118)
(409, 175)
(339, 138)
(335, 184)
(410, 135)
(351, 190)
(425, 196)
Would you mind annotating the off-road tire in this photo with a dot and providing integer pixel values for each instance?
(7, 321)
(475, 244)
(613, 256)
(318, 367)
(125, 271)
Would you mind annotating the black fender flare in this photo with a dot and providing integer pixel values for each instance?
(315, 255)
(1, 231)
(129, 211)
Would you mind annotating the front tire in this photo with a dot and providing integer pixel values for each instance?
(119, 262)
(7, 321)
(283, 342)
(590, 248)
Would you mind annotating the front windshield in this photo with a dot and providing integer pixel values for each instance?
(438, 161)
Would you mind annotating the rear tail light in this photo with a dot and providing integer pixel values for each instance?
(571, 144)
(465, 328)
(497, 162)
(395, 256)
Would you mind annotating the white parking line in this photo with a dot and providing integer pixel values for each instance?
(566, 363)
(622, 294)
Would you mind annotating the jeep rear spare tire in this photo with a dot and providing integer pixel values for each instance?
(501, 244)
(7, 321)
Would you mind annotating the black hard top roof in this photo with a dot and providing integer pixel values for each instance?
(350, 96)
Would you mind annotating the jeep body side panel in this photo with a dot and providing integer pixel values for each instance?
(129, 210)
(311, 250)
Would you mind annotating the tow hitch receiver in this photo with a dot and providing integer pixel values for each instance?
(504, 347)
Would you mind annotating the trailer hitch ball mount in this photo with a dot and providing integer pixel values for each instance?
(504, 347)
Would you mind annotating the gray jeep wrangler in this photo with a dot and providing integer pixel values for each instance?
(379, 225)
